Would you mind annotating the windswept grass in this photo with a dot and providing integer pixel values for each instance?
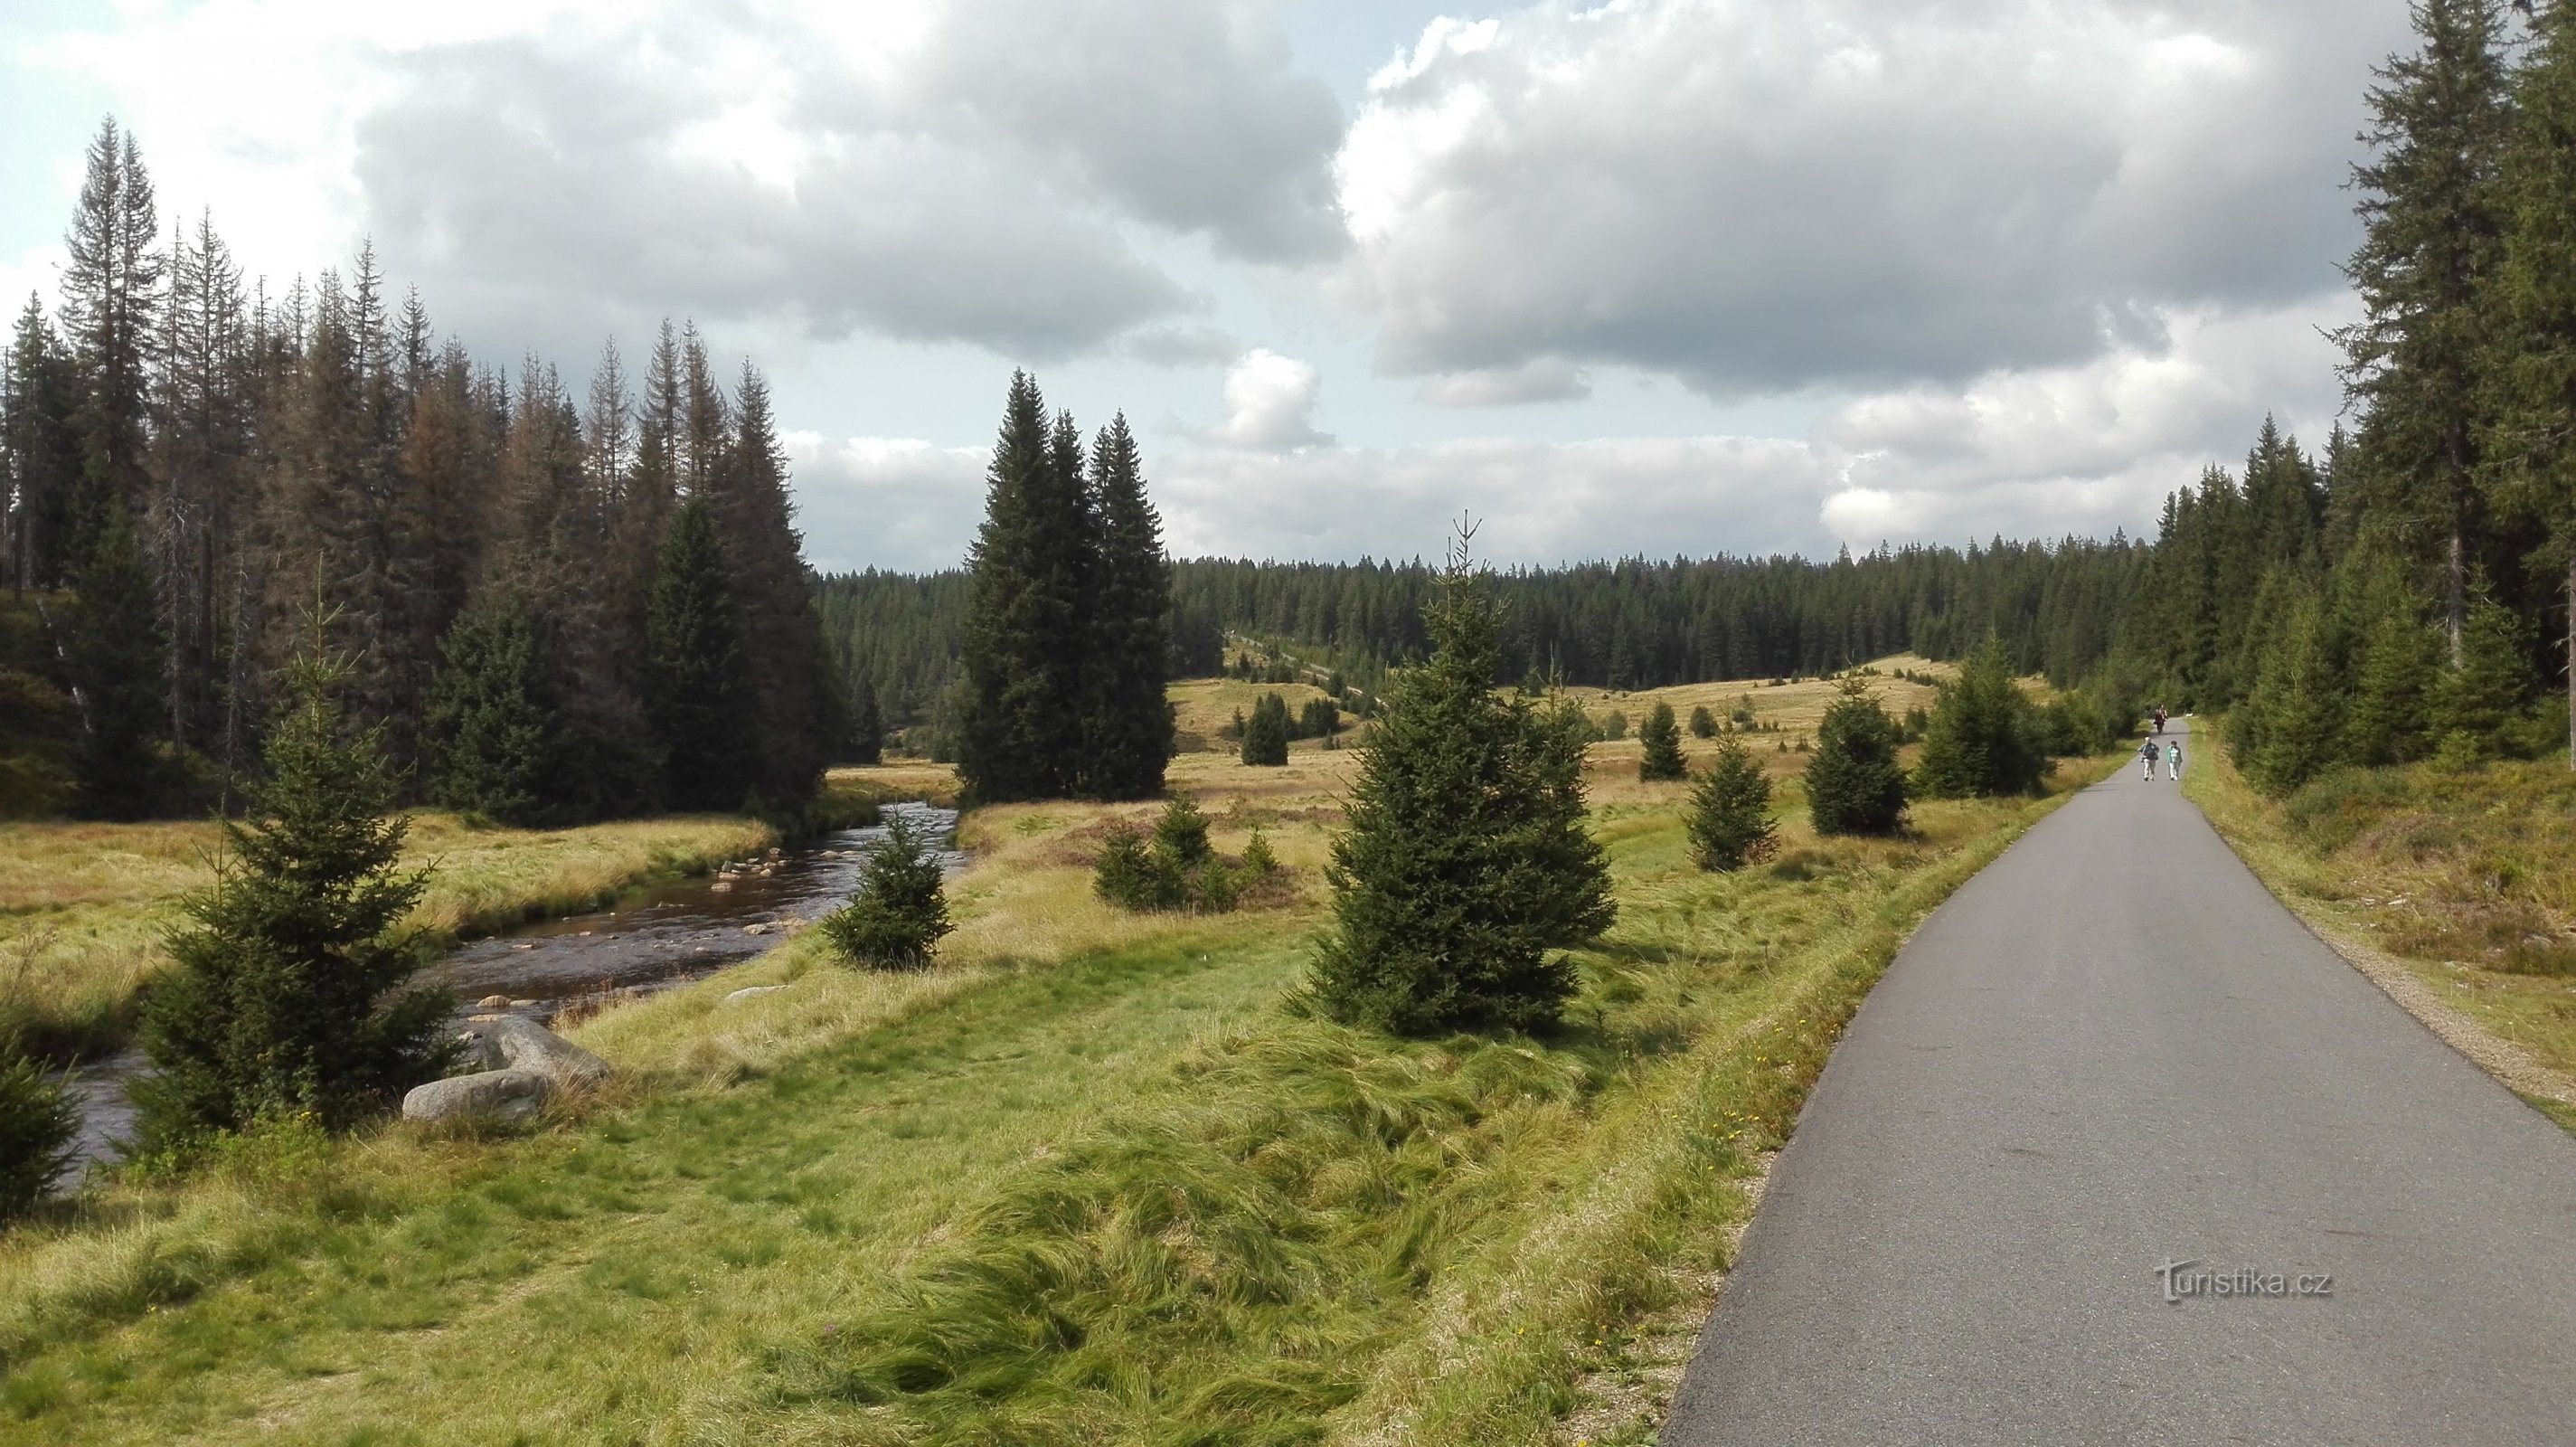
(1095, 1179)
(2467, 877)
(84, 907)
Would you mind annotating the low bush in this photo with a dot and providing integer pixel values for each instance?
(1176, 868)
(900, 912)
(37, 1125)
(1730, 815)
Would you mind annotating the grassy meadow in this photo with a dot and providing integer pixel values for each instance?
(2466, 878)
(83, 907)
(1096, 1177)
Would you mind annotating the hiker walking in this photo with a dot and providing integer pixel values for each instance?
(2173, 760)
(2147, 753)
(2160, 718)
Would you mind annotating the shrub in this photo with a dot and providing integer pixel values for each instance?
(1982, 739)
(1466, 862)
(1703, 724)
(1176, 868)
(1182, 833)
(1663, 740)
(1265, 734)
(1615, 726)
(2477, 700)
(900, 912)
(1854, 785)
(1730, 818)
(1321, 718)
(37, 1126)
(1258, 860)
(1132, 874)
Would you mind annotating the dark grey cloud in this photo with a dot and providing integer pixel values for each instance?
(1760, 197)
(985, 176)
(1186, 112)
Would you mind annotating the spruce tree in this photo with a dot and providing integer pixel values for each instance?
(697, 693)
(2296, 706)
(489, 731)
(111, 288)
(2432, 216)
(2532, 445)
(791, 715)
(1128, 732)
(1730, 819)
(1465, 863)
(290, 989)
(38, 1124)
(2390, 721)
(114, 658)
(1265, 734)
(1982, 737)
(1854, 783)
(40, 452)
(1703, 724)
(1663, 740)
(867, 723)
(2478, 699)
(1026, 647)
(900, 912)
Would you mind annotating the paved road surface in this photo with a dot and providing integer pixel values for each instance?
(2111, 1050)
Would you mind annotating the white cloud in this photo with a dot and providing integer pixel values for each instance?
(885, 502)
(987, 171)
(1760, 198)
(1269, 404)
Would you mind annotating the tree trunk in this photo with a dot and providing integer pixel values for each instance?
(2456, 606)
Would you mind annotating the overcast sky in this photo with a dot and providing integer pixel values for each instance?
(1649, 277)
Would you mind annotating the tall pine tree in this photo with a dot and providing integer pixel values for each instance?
(1027, 627)
(1129, 723)
(490, 724)
(696, 690)
(114, 660)
(1466, 863)
(2433, 222)
(2533, 443)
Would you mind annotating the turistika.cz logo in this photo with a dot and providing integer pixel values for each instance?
(2185, 1281)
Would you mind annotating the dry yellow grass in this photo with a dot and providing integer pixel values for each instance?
(1795, 707)
(1201, 707)
(83, 907)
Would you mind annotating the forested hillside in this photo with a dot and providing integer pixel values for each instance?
(557, 606)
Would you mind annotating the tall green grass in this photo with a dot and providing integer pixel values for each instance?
(1134, 1194)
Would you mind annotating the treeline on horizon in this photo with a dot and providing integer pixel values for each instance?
(1637, 623)
(554, 607)
(2401, 594)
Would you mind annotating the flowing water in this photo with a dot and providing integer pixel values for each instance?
(667, 935)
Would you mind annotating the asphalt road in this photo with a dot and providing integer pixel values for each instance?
(2110, 1051)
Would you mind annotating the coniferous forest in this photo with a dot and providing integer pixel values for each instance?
(558, 607)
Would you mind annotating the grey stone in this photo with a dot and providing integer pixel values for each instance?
(510, 1095)
(510, 1042)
